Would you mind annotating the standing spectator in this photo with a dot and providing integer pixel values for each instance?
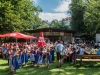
(48, 58)
(98, 52)
(58, 49)
(82, 50)
(52, 54)
(4, 50)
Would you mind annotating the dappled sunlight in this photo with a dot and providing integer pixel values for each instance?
(66, 69)
(55, 70)
(81, 74)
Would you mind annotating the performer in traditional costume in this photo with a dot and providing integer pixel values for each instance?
(15, 64)
(10, 53)
(20, 59)
(52, 54)
(31, 54)
(40, 60)
(48, 58)
(36, 56)
(25, 55)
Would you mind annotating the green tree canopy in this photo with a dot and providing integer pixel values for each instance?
(58, 24)
(92, 17)
(18, 15)
(77, 10)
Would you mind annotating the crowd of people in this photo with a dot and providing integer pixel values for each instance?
(19, 54)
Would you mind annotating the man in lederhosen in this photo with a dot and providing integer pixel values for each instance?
(58, 48)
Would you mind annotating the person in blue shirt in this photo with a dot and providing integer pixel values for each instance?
(4, 50)
(58, 49)
(82, 50)
(98, 52)
(52, 53)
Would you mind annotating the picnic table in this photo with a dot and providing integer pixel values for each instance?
(88, 58)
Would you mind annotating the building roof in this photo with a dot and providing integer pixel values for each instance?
(80, 34)
(67, 18)
(50, 30)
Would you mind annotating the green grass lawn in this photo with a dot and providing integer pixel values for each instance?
(66, 69)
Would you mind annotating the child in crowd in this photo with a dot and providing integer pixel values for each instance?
(44, 53)
(15, 64)
(31, 54)
(20, 57)
(40, 60)
(75, 53)
(10, 53)
(52, 53)
(65, 52)
(25, 55)
(36, 55)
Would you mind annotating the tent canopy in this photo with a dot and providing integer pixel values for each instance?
(18, 35)
(2, 36)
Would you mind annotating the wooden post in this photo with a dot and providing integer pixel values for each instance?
(16, 40)
(80, 60)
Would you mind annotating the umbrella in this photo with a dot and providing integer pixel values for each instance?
(41, 42)
(2, 36)
(18, 35)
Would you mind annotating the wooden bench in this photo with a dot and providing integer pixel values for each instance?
(88, 58)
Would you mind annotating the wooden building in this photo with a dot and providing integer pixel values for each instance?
(54, 34)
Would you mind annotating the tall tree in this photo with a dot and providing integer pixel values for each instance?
(18, 15)
(91, 17)
(77, 10)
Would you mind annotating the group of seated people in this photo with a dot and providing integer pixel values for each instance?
(18, 54)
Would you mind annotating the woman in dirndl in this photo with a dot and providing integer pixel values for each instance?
(25, 55)
(48, 58)
(15, 64)
(22, 56)
(36, 55)
(40, 60)
(32, 56)
(20, 59)
(10, 53)
(52, 54)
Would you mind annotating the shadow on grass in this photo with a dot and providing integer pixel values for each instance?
(66, 69)
(4, 72)
(5, 64)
